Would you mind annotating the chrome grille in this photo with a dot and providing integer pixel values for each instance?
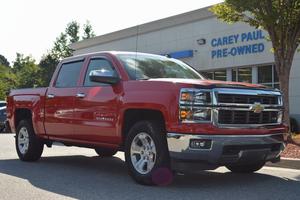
(234, 107)
(247, 117)
(247, 99)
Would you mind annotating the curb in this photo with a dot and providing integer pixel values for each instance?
(291, 163)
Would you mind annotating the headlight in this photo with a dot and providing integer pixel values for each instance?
(195, 114)
(280, 117)
(194, 105)
(195, 96)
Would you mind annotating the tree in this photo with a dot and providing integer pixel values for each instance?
(3, 61)
(281, 19)
(61, 47)
(27, 72)
(7, 81)
(72, 31)
(47, 67)
(88, 31)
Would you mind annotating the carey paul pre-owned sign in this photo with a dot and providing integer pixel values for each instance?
(220, 49)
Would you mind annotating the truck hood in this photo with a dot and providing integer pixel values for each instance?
(210, 83)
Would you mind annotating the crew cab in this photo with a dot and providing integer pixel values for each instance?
(161, 112)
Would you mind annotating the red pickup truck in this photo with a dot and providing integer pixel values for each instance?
(161, 112)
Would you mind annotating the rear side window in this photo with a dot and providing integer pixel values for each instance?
(69, 74)
(98, 64)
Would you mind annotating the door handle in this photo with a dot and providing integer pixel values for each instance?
(80, 95)
(50, 96)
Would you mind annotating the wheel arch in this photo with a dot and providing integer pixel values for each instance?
(134, 115)
(21, 114)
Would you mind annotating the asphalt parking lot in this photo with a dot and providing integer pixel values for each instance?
(77, 173)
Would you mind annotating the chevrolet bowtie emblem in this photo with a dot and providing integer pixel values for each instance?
(257, 107)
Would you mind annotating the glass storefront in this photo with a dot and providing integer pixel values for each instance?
(242, 74)
(215, 75)
(265, 75)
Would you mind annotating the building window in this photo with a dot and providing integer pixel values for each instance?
(267, 76)
(208, 75)
(242, 74)
(215, 75)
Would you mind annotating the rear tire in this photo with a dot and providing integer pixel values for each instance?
(249, 168)
(29, 147)
(104, 152)
(147, 155)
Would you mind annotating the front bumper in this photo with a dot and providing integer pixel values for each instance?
(226, 149)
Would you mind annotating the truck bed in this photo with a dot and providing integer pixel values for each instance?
(31, 98)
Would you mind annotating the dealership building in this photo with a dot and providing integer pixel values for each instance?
(220, 51)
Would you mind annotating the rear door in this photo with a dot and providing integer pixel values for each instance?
(96, 105)
(59, 106)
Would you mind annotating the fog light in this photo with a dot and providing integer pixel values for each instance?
(200, 144)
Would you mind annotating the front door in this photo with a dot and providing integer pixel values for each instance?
(96, 106)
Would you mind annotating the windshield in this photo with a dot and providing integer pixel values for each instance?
(146, 66)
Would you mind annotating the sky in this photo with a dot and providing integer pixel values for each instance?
(30, 27)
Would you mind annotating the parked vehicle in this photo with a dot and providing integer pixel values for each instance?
(161, 112)
(2, 119)
(2, 104)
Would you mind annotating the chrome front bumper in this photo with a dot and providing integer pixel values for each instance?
(226, 149)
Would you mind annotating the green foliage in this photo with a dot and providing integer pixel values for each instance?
(7, 80)
(27, 72)
(88, 31)
(61, 47)
(47, 67)
(3, 61)
(72, 31)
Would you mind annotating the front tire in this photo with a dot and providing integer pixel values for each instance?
(147, 155)
(29, 147)
(248, 168)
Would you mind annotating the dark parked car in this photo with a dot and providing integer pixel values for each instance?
(2, 104)
(3, 120)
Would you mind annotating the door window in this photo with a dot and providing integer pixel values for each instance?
(98, 64)
(69, 75)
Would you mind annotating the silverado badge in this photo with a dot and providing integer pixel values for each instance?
(257, 107)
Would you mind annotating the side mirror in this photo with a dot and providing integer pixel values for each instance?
(103, 76)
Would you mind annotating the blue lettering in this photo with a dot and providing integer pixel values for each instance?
(236, 37)
(225, 53)
(249, 36)
(219, 53)
(260, 35)
(214, 42)
(225, 42)
(254, 48)
(261, 47)
(230, 39)
(244, 36)
(233, 51)
(240, 50)
(247, 49)
(213, 54)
